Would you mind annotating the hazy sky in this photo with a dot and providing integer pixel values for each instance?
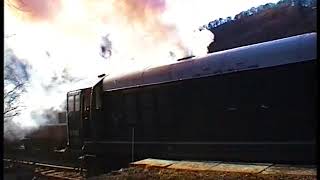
(233, 7)
(225, 8)
(71, 34)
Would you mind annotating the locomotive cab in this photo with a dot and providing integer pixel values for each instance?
(78, 117)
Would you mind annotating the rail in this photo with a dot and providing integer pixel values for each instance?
(50, 170)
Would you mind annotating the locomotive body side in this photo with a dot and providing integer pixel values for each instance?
(247, 104)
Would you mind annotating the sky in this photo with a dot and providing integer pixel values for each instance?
(57, 37)
(230, 9)
(214, 9)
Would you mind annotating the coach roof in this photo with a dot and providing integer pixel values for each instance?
(262, 55)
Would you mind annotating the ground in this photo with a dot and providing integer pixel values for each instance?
(139, 173)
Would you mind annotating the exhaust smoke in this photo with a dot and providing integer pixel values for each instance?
(67, 44)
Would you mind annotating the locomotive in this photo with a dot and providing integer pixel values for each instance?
(255, 103)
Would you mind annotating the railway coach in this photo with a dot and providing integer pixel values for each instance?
(47, 138)
(255, 103)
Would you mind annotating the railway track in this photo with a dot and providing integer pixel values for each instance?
(48, 171)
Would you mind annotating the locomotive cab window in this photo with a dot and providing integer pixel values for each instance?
(77, 102)
(98, 96)
(70, 103)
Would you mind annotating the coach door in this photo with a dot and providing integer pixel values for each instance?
(74, 122)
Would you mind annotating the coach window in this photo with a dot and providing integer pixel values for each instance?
(131, 109)
(77, 103)
(163, 105)
(98, 97)
(147, 105)
(70, 103)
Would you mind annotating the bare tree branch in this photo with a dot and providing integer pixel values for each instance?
(13, 90)
(15, 79)
(10, 110)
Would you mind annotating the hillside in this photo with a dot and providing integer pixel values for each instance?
(271, 24)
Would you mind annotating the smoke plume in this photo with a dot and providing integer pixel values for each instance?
(68, 43)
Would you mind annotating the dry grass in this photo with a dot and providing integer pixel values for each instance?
(137, 173)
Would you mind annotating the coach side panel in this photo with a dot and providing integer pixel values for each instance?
(271, 109)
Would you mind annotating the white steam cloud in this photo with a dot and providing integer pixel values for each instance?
(66, 43)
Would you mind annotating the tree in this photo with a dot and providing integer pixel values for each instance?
(238, 16)
(313, 3)
(15, 78)
(254, 10)
(15, 75)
